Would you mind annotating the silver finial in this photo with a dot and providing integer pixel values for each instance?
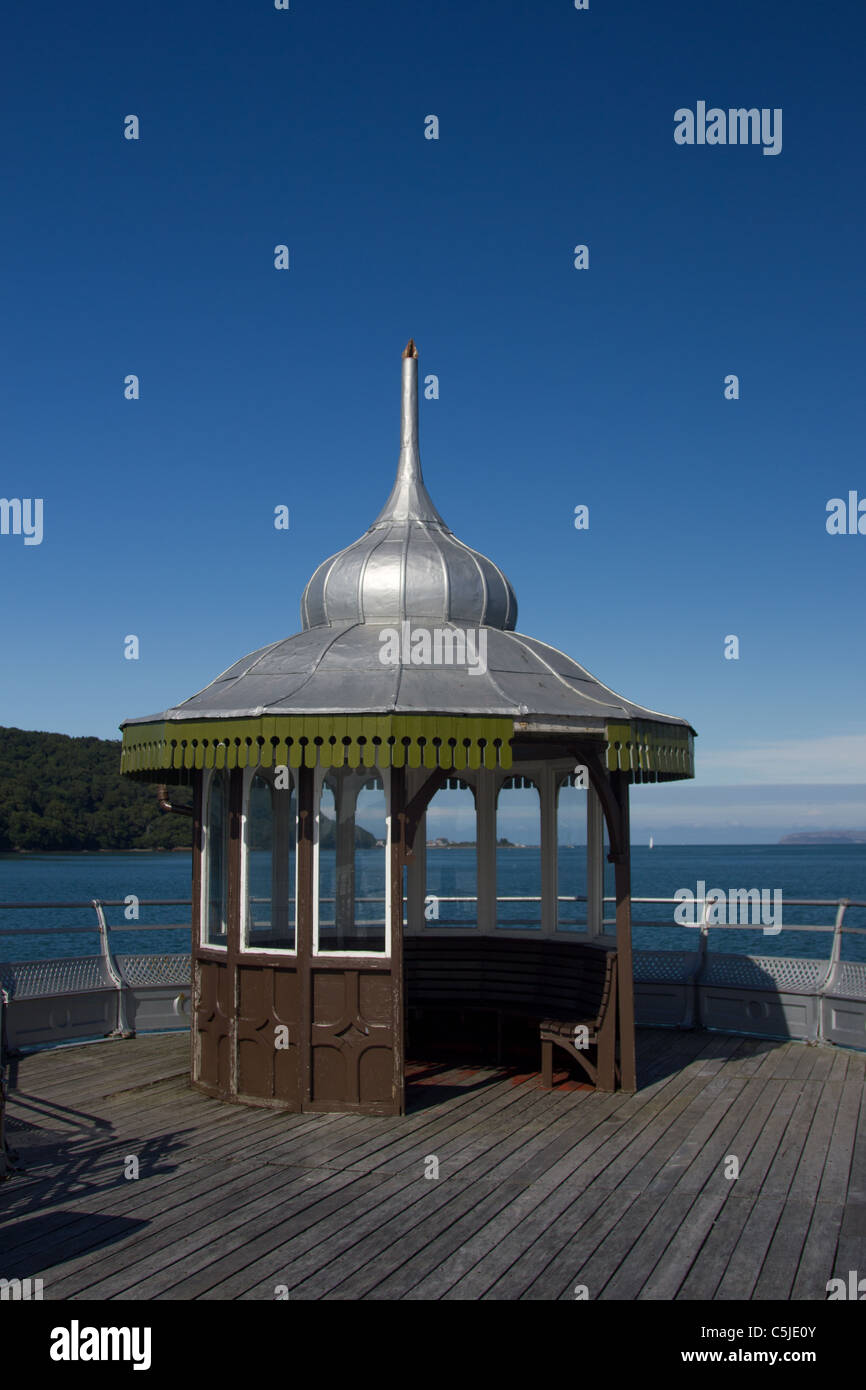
(409, 499)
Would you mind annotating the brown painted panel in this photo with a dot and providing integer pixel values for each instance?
(268, 1001)
(330, 1080)
(375, 1075)
(287, 995)
(213, 1025)
(329, 997)
(374, 997)
(352, 1036)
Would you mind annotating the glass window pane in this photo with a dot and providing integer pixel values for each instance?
(571, 857)
(215, 923)
(271, 846)
(609, 919)
(451, 894)
(518, 856)
(352, 862)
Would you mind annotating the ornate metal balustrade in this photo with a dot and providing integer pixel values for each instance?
(114, 993)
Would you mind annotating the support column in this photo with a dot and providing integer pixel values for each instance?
(416, 871)
(625, 976)
(397, 848)
(233, 912)
(282, 829)
(416, 888)
(485, 835)
(195, 920)
(306, 822)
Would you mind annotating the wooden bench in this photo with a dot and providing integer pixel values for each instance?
(561, 986)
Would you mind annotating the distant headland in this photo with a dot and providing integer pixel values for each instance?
(442, 843)
(825, 837)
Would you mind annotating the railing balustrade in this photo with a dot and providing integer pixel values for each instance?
(104, 929)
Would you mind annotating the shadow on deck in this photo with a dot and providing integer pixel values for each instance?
(537, 1192)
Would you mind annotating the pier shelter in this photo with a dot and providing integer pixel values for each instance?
(313, 763)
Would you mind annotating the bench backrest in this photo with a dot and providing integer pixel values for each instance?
(570, 979)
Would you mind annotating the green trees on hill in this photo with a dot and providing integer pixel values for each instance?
(61, 793)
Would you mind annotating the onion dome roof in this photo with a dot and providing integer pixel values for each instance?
(409, 565)
(369, 615)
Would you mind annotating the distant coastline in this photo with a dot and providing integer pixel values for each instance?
(825, 837)
(442, 843)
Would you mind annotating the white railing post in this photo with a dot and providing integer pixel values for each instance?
(122, 1028)
(836, 949)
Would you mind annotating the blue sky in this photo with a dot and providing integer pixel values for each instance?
(557, 386)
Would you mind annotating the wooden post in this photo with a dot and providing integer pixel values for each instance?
(621, 854)
(416, 885)
(233, 914)
(195, 920)
(485, 850)
(397, 850)
(304, 939)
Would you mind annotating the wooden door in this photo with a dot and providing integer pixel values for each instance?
(356, 1008)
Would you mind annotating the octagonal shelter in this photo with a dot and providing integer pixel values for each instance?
(313, 762)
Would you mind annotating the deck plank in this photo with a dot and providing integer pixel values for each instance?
(757, 1111)
(610, 1170)
(537, 1191)
(736, 1114)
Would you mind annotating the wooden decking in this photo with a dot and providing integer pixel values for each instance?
(537, 1192)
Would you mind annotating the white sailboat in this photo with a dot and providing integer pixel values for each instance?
(651, 842)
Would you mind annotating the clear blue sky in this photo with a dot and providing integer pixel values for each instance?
(558, 386)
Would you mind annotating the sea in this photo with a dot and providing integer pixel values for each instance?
(797, 871)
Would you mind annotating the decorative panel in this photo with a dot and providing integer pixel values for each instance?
(269, 1034)
(213, 1013)
(353, 1062)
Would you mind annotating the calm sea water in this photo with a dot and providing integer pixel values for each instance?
(799, 871)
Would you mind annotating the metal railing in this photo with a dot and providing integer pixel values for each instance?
(703, 926)
(693, 969)
(104, 929)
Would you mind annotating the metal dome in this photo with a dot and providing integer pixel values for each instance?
(409, 564)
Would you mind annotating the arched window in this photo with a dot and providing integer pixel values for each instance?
(451, 890)
(214, 927)
(571, 799)
(352, 862)
(518, 856)
(270, 856)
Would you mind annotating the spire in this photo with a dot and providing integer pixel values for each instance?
(409, 499)
(409, 564)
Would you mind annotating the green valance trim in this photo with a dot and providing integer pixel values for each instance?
(649, 750)
(327, 740)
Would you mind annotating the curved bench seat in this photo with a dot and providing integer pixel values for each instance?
(567, 988)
